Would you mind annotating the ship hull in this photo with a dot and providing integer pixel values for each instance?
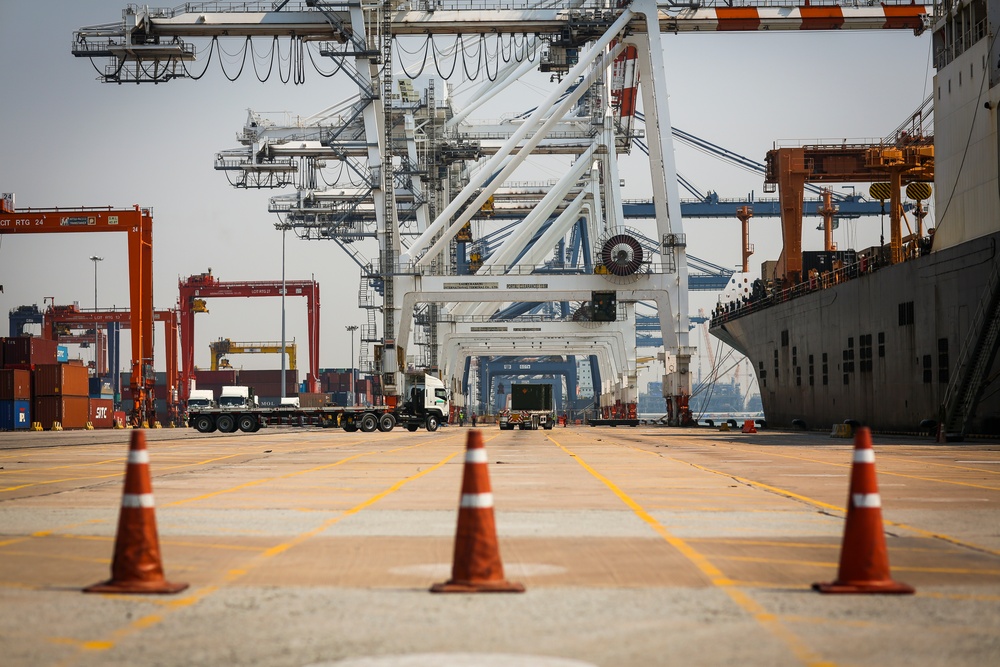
(860, 351)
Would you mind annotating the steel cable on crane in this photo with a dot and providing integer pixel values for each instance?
(323, 74)
(243, 61)
(423, 61)
(454, 62)
(270, 66)
(496, 57)
(479, 59)
(208, 61)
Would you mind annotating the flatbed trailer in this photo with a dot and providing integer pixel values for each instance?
(249, 420)
(613, 422)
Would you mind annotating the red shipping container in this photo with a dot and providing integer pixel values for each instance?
(21, 350)
(61, 380)
(15, 385)
(102, 412)
(70, 411)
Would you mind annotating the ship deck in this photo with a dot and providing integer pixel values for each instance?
(638, 546)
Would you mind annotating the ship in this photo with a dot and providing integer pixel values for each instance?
(901, 337)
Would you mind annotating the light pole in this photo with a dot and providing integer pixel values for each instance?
(283, 348)
(351, 328)
(97, 338)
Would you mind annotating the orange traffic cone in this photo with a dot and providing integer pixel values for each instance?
(864, 560)
(137, 566)
(748, 426)
(476, 567)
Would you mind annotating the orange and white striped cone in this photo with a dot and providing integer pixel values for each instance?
(137, 566)
(864, 559)
(476, 567)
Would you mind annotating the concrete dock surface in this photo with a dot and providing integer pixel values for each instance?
(637, 546)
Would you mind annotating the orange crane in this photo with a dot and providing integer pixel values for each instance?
(137, 223)
(60, 318)
(195, 289)
(909, 160)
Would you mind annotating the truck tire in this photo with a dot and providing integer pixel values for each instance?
(386, 422)
(368, 422)
(226, 423)
(247, 423)
(204, 424)
(412, 428)
(431, 423)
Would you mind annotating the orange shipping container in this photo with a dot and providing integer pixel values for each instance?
(102, 412)
(70, 411)
(15, 385)
(61, 380)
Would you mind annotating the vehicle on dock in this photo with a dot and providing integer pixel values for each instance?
(426, 406)
(529, 406)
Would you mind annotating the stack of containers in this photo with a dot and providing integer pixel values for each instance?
(15, 399)
(19, 356)
(61, 395)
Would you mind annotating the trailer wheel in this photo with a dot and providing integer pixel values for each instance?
(247, 423)
(204, 424)
(411, 427)
(431, 423)
(386, 422)
(226, 423)
(368, 422)
(350, 427)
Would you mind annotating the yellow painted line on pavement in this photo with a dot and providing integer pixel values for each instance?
(848, 464)
(194, 597)
(900, 568)
(841, 510)
(769, 621)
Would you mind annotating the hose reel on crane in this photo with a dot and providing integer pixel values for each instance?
(620, 257)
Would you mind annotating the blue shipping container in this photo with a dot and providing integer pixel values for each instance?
(62, 354)
(15, 415)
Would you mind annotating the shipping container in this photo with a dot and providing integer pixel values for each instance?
(29, 350)
(102, 412)
(70, 411)
(15, 385)
(15, 415)
(100, 387)
(313, 400)
(223, 377)
(61, 380)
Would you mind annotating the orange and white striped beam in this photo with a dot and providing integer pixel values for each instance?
(824, 17)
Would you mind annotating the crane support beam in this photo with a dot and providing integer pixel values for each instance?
(137, 223)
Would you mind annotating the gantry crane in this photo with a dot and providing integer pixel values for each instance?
(195, 289)
(220, 348)
(65, 318)
(137, 223)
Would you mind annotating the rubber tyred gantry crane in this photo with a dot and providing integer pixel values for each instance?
(55, 316)
(138, 224)
(205, 285)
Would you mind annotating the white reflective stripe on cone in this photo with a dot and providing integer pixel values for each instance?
(138, 456)
(867, 500)
(864, 456)
(137, 500)
(477, 455)
(477, 500)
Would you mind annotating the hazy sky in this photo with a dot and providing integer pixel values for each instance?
(69, 140)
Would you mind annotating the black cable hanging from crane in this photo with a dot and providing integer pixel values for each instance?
(243, 60)
(270, 57)
(454, 62)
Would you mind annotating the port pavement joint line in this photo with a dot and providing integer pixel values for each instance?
(770, 622)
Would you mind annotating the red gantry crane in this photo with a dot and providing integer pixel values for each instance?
(193, 291)
(71, 316)
(138, 224)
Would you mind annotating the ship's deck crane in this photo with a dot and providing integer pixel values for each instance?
(222, 347)
(909, 160)
(137, 223)
(195, 289)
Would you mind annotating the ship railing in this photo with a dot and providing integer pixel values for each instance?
(761, 301)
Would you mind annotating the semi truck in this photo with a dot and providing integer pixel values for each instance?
(529, 407)
(426, 405)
